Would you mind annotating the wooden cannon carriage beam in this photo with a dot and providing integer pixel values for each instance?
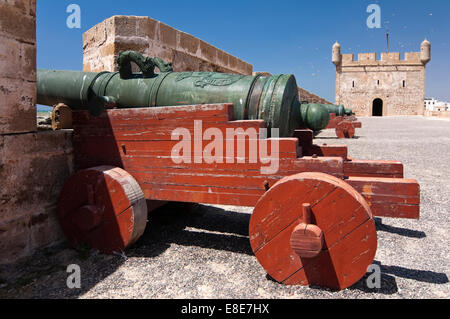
(345, 126)
(341, 195)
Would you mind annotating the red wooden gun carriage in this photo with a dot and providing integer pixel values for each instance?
(345, 126)
(313, 219)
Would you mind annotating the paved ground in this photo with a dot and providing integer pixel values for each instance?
(203, 252)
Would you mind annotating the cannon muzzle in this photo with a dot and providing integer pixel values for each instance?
(339, 110)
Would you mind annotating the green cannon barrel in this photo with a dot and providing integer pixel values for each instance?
(270, 98)
(316, 116)
(339, 110)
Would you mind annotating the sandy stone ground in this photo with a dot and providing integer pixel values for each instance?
(203, 251)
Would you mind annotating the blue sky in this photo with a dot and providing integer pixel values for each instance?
(283, 36)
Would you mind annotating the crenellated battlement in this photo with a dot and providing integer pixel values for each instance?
(396, 79)
(391, 58)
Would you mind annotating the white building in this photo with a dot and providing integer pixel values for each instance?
(434, 105)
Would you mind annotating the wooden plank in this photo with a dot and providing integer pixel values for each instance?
(387, 169)
(140, 156)
(305, 140)
(154, 116)
(390, 197)
(345, 129)
(287, 166)
(328, 151)
(334, 121)
(155, 133)
(189, 195)
(357, 124)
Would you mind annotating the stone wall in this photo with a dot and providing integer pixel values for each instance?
(305, 95)
(17, 66)
(103, 42)
(33, 169)
(442, 114)
(399, 83)
(33, 165)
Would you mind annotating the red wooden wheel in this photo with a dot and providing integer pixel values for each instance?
(313, 229)
(345, 129)
(103, 207)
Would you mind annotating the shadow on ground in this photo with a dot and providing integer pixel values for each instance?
(399, 231)
(388, 282)
(194, 225)
(45, 274)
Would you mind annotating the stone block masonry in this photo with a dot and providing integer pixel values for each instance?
(305, 95)
(386, 86)
(17, 66)
(33, 169)
(33, 165)
(103, 42)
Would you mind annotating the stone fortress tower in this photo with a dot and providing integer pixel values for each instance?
(382, 87)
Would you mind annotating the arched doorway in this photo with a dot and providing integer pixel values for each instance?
(377, 107)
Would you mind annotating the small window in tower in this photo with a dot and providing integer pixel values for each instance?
(353, 84)
(378, 82)
(404, 84)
